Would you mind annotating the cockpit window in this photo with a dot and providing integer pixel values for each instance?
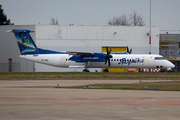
(159, 58)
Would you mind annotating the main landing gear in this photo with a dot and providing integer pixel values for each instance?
(86, 70)
(105, 70)
(86, 66)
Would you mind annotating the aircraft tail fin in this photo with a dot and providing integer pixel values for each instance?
(24, 41)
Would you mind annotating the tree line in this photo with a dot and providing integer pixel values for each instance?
(3, 18)
(134, 19)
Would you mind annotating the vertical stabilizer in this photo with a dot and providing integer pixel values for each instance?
(25, 42)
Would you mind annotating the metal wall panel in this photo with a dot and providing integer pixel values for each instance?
(92, 38)
(134, 37)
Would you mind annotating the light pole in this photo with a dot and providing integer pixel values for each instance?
(150, 32)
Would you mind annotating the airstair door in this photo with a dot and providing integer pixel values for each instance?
(63, 61)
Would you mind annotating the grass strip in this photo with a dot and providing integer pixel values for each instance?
(157, 86)
(88, 76)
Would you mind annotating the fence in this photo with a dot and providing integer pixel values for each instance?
(7, 67)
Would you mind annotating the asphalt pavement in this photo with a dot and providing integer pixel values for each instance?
(40, 100)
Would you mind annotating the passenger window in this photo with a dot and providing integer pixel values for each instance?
(161, 66)
(114, 59)
(157, 66)
(111, 59)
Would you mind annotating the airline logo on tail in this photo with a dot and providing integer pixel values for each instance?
(24, 41)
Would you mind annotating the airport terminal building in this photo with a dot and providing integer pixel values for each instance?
(74, 38)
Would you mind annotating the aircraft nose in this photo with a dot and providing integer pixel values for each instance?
(172, 65)
(169, 64)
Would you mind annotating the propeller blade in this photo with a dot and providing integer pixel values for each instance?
(109, 51)
(106, 49)
(130, 51)
(105, 61)
(127, 49)
(109, 62)
(108, 56)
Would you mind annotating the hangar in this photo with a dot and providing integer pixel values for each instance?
(74, 38)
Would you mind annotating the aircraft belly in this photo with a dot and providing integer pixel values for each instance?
(116, 65)
(95, 65)
(73, 64)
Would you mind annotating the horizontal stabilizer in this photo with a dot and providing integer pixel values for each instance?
(19, 31)
(9, 31)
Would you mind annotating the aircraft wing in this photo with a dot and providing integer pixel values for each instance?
(72, 66)
(79, 53)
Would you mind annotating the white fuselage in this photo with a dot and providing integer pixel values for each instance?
(117, 61)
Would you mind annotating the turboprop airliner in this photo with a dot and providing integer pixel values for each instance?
(72, 59)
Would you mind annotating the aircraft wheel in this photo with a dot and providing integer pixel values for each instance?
(86, 70)
(105, 70)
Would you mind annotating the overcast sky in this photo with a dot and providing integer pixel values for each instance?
(165, 13)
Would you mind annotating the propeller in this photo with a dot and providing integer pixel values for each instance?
(108, 56)
(129, 51)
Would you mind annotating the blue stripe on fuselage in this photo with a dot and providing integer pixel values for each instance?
(96, 57)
